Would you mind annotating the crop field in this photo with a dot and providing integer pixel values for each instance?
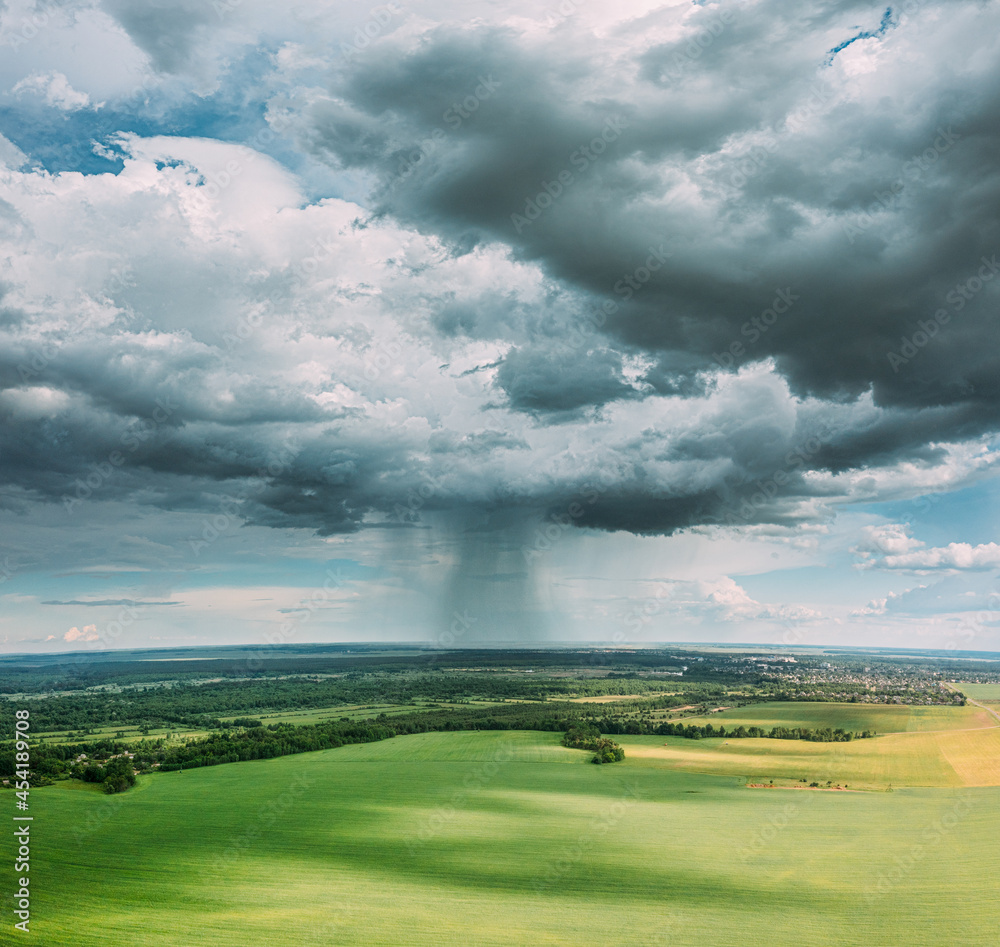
(883, 718)
(497, 838)
(605, 698)
(314, 715)
(129, 734)
(964, 758)
(988, 693)
(355, 711)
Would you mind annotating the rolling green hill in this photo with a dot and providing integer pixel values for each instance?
(494, 838)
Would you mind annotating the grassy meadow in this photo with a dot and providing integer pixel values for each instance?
(988, 693)
(496, 838)
(299, 718)
(962, 758)
(883, 718)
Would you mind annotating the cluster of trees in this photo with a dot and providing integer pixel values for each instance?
(119, 775)
(79, 671)
(53, 760)
(139, 699)
(267, 742)
(200, 706)
(588, 737)
(116, 775)
(264, 743)
(246, 739)
(822, 735)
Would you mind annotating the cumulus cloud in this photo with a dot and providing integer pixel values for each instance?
(54, 87)
(310, 368)
(88, 633)
(640, 268)
(952, 556)
(759, 171)
(723, 600)
(10, 154)
(891, 547)
(731, 602)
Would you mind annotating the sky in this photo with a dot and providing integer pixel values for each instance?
(499, 322)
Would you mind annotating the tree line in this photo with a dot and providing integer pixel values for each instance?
(255, 742)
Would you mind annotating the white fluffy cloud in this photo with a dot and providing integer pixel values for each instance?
(891, 547)
(952, 556)
(722, 599)
(54, 87)
(87, 633)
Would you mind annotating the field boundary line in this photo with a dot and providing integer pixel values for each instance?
(989, 710)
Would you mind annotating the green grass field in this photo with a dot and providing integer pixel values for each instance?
(985, 692)
(883, 718)
(491, 838)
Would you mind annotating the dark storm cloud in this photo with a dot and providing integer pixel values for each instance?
(834, 219)
(325, 483)
(166, 30)
(562, 379)
(639, 511)
(701, 201)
